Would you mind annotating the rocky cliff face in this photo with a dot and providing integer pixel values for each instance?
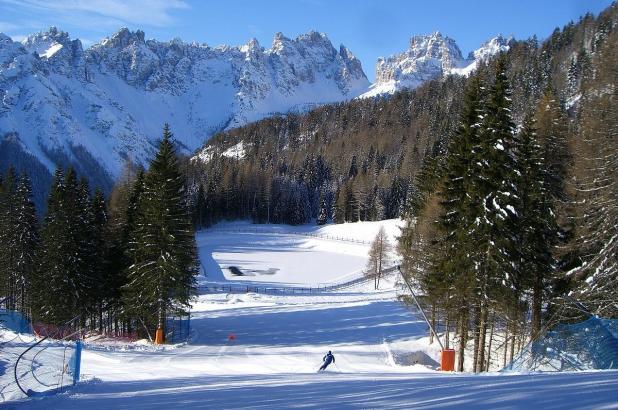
(62, 104)
(429, 57)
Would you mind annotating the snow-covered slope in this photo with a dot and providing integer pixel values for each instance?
(383, 358)
(429, 57)
(98, 107)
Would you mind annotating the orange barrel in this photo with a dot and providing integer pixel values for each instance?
(447, 360)
(159, 336)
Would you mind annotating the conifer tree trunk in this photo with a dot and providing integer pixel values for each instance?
(477, 334)
(513, 345)
(537, 301)
(491, 338)
(506, 344)
(463, 338)
(447, 333)
(161, 316)
(482, 339)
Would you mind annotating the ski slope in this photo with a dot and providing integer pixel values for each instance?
(280, 341)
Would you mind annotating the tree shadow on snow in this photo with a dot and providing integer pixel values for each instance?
(336, 391)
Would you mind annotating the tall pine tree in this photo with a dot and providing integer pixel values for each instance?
(459, 212)
(538, 229)
(26, 241)
(65, 282)
(162, 277)
(8, 238)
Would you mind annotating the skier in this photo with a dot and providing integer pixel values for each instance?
(327, 360)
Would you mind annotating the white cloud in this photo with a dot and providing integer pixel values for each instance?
(156, 13)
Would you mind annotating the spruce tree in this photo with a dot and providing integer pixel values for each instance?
(538, 226)
(352, 204)
(88, 249)
(451, 254)
(120, 229)
(8, 238)
(65, 284)
(161, 279)
(552, 129)
(27, 241)
(98, 257)
(494, 202)
(53, 293)
(494, 188)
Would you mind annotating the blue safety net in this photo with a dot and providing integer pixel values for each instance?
(592, 344)
(13, 320)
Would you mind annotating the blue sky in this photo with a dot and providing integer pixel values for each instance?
(369, 28)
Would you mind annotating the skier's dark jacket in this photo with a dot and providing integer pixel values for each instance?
(329, 358)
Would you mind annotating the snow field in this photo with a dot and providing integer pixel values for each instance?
(280, 341)
(308, 255)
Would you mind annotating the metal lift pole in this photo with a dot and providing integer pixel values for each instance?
(419, 307)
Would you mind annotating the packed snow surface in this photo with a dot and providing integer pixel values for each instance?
(280, 341)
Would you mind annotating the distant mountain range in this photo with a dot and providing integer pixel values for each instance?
(100, 107)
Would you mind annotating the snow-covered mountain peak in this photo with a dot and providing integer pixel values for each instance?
(352, 63)
(315, 39)
(491, 47)
(47, 43)
(252, 46)
(429, 57)
(279, 43)
(312, 42)
(53, 34)
(488, 49)
(123, 38)
(436, 46)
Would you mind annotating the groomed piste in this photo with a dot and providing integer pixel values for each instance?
(280, 339)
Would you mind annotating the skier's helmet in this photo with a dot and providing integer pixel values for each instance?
(329, 352)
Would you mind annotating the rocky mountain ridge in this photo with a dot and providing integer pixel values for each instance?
(105, 105)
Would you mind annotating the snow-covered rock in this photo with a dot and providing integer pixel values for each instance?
(429, 57)
(489, 49)
(101, 106)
